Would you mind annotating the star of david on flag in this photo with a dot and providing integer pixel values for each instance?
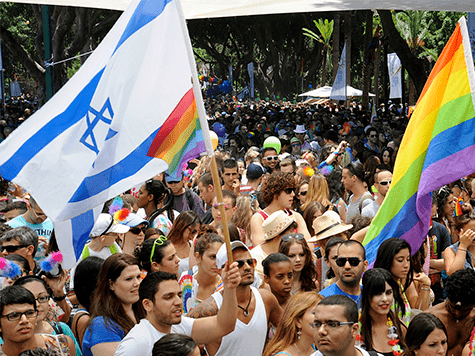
(128, 114)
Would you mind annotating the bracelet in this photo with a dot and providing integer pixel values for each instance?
(335, 153)
(59, 299)
(427, 289)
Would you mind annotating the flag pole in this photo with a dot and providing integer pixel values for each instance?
(206, 136)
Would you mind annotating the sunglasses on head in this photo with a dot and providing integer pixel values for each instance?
(250, 261)
(158, 242)
(11, 248)
(385, 182)
(271, 158)
(289, 190)
(292, 236)
(353, 261)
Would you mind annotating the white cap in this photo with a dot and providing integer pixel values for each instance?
(222, 255)
(105, 223)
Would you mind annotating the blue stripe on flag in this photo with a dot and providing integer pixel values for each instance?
(50, 131)
(81, 228)
(125, 168)
(450, 141)
(145, 12)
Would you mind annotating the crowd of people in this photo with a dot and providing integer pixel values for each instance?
(301, 184)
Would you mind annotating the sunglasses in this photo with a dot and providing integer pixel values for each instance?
(158, 242)
(288, 237)
(12, 248)
(136, 230)
(252, 262)
(271, 158)
(385, 182)
(174, 182)
(303, 193)
(372, 135)
(289, 190)
(353, 261)
(296, 145)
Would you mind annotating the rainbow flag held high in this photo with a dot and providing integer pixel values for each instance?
(180, 138)
(437, 148)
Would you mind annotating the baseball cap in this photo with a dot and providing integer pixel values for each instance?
(105, 223)
(255, 171)
(133, 220)
(222, 255)
(174, 178)
(294, 140)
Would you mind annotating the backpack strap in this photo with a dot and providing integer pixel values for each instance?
(366, 197)
(56, 327)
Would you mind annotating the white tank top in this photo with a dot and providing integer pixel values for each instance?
(246, 339)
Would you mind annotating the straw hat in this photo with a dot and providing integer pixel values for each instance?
(328, 225)
(276, 223)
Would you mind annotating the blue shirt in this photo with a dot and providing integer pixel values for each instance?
(98, 332)
(334, 289)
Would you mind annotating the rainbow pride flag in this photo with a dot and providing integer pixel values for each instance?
(438, 147)
(180, 138)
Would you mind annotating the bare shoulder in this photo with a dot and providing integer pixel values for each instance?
(268, 298)
(206, 308)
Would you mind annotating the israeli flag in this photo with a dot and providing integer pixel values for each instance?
(89, 143)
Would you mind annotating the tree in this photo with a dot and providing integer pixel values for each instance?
(73, 31)
(325, 28)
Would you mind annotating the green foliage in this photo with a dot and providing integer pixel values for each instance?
(325, 28)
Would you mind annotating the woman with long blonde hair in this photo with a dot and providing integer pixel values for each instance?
(317, 191)
(247, 205)
(294, 335)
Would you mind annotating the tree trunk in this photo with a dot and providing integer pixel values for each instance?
(336, 44)
(348, 17)
(411, 91)
(324, 72)
(366, 65)
(377, 61)
(413, 65)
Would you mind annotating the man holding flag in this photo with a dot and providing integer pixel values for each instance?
(102, 133)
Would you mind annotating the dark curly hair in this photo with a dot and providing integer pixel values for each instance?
(440, 196)
(275, 184)
(460, 287)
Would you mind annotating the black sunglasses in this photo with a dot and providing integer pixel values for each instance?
(11, 248)
(353, 261)
(289, 190)
(250, 261)
(292, 236)
(137, 230)
(303, 193)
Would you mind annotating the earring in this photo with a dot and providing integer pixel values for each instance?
(298, 334)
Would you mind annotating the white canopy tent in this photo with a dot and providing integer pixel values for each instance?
(325, 91)
(194, 9)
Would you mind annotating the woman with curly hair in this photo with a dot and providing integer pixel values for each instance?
(305, 276)
(278, 193)
(294, 335)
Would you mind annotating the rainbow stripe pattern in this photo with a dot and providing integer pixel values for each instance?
(180, 138)
(438, 147)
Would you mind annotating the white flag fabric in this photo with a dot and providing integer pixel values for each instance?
(97, 137)
(339, 85)
(394, 70)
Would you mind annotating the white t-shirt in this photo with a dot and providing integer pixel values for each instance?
(141, 338)
(364, 352)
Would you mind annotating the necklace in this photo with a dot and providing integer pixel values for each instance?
(393, 338)
(246, 311)
(298, 350)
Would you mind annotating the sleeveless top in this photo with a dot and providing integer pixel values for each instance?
(246, 339)
(55, 343)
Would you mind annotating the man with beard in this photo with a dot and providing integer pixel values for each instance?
(351, 262)
(457, 313)
(335, 327)
(161, 297)
(255, 307)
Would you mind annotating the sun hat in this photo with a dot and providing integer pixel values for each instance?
(276, 223)
(328, 225)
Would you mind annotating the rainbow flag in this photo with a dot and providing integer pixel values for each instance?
(437, 148)
(180, 138)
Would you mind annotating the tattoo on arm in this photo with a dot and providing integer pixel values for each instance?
(206, 308)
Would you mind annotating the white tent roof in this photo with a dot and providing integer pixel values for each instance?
(194, 9)
(325, 91)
